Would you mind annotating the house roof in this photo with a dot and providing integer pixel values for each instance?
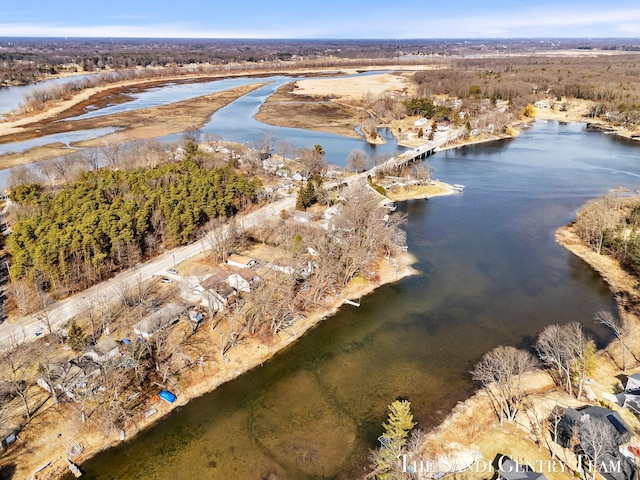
(212, 281)
(160, 318)
(573, 417)
(247, 274)
(240, 259)
(510, 470)
(105, 346)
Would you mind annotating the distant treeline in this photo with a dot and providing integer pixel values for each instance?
(111, 219)
(27, 60)
(611, 81)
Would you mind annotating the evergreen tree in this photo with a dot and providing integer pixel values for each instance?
(75, 339)
(306, 196)
(396, 429)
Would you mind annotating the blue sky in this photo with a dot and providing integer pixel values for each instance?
(320, 18)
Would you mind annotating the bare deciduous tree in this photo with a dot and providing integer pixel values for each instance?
(357, 160)
(598, 217)
(621, 331)
(16, 364)
(500, 373)
(597, 442)
(568, 353)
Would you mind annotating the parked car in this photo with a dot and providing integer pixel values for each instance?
(166, 280)
(172, 271)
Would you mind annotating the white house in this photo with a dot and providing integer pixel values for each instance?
(242, 279)
(103, 351)
(300, 216)
(216, 292)
(542, 104)
(240, 261)
(162, 318)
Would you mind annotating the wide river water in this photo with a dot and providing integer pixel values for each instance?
(490, 274)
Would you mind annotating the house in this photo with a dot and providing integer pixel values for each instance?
(68, 377)
(572, 435)
(630, 398)
(332, 211)
(104, 351)
(571, 420)
(162, 318)
(216, 292)
(241, 261)
(242, 279)
(300, 216)
(542, 104)
(443, 126)
(511, 470)
(633, 384)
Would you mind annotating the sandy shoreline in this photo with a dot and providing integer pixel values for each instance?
(250, 355)
(195, 383)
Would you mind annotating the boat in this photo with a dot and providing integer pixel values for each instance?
(167, 396)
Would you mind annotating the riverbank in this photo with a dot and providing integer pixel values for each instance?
(474, 420)
(41, 441)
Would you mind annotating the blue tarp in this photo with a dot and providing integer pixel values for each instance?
(167, 396)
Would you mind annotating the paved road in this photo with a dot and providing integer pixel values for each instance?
(29, 327)
(26, 329)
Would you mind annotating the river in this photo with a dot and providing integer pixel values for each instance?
(235, 122)
(491, 274)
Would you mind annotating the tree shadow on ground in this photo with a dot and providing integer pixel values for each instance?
(7, 471)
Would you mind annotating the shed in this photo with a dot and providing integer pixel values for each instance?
(8, 434)
(241, 261)
(162, 318)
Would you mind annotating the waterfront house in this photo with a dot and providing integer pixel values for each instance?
(242, 279)
(216, 292)
(103, 351)
(511, 470)
(569, 424)
(571, 434)
(630, 398)
(158, 320)
(633, 384)
(300, 216)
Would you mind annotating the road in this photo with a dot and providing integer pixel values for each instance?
(13, 334)
(27, 328)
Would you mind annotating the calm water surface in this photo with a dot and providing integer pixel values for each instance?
(491, 274)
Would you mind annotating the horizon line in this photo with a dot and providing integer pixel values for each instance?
(49, 37)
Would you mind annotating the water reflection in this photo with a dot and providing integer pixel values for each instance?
(65, 139)
(491, 274)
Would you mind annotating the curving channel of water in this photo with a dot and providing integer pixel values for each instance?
(491, 274)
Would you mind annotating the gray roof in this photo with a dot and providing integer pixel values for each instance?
(510, 470)
(159, 319)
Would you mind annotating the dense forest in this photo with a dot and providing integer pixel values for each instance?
(108, 220)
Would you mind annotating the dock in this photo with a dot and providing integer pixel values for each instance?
(351, 302)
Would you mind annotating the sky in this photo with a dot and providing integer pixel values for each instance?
(349, 19)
